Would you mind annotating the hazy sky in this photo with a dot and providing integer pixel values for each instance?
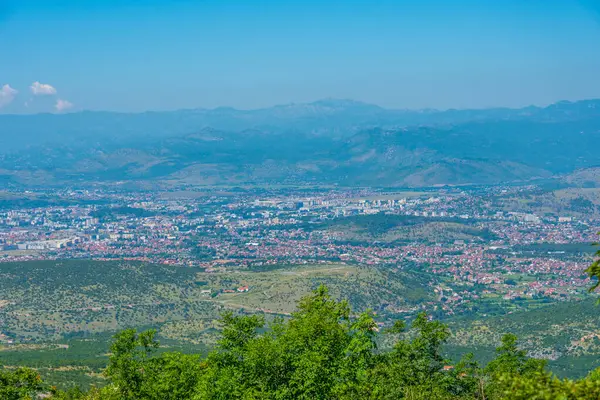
(169, 54)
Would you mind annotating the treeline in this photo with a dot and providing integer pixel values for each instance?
(321, 352)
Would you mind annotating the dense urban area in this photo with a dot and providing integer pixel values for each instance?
(469, 242)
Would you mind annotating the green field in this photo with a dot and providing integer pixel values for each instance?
(278, 291)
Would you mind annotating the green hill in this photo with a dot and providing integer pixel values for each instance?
(323, 351)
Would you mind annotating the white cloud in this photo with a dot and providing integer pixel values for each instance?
(42, 89)
(7, 95)
(63, 105)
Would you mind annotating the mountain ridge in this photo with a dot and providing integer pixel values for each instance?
(329, 102)
(348, 143)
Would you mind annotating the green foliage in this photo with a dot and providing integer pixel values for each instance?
(136, 372)
(20, 384)
(510, 364)
(127, 365)
(511, 360)
(594, 270)
(322, 351)
(71, 394)
(542, 385)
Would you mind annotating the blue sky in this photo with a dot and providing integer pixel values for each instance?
(170, 54)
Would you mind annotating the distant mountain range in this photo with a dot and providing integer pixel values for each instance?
(326, 142)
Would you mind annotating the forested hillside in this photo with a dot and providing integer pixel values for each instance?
(323, 351)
